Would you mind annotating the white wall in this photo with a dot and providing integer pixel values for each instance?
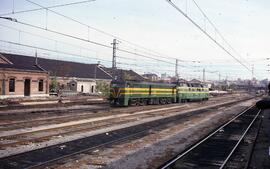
(87, 86)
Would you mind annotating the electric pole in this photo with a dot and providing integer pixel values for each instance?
(176, 69)
(114, 53)
(252, 72)
(203, 75)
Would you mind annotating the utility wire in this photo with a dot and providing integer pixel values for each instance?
(51, 50)
(209, 36)
(122, 57)
(90, 27)
(85, 40)
(216, 29)
(54, 40)
(134, 53)
(98, 30)
(67, 53)
(61, 42)
(49, 7)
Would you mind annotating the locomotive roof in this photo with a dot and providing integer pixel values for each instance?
(143, 82)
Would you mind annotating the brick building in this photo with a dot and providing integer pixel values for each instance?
(19, 78)
(72, 76)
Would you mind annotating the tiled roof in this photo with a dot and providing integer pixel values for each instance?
(121, 74)
(10, 61)
(62, 68)
(57, 68)
(195, 81)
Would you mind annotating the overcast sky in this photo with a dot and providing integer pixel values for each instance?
(152, 24)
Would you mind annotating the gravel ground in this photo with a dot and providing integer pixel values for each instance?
(156, 148)
(59, 138)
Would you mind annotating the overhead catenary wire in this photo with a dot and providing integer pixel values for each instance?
(98, 30)
(21, 31)
(52, 50)
(209, 36)
(106, 33)
(43, 37)
(61, 52)
(138, 54)
(217, 30)
(74, 54)
(88, 26)
(49, 7)
(183, 66)
(86, 40)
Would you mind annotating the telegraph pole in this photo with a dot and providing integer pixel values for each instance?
(176, 69)
(219, 77)
(114, 53)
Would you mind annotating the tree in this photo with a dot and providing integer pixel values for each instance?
(103, 87)
(53, 84)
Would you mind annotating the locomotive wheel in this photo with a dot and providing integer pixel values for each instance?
(137, 102)
(144, 102)
(169, 101)
(133, 102)
(162, 101)
(141, 102)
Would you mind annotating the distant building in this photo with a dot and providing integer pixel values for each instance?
(195, 81)
(121, 74)
(19, 78)
(151, 77)
(165, 78)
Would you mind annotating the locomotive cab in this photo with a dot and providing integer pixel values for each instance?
(117, 90)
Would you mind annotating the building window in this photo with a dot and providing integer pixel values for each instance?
(12, 85)
(82, 88)
(40, 85)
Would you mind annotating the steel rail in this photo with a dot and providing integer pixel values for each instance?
(253, 145)
(85, 150)
(144, 112)
(149, 128)
(239, 141)
(202, 141)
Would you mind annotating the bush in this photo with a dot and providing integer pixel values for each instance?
(103, 87)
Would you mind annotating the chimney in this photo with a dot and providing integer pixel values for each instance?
(36, 61)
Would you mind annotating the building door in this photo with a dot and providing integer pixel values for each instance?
(92, 89)
(27, 87)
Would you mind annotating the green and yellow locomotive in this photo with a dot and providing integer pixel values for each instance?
(126, 93)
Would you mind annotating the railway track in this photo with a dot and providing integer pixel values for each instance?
(40, 135)
(33, 118)
(52, 154)
(230, 146)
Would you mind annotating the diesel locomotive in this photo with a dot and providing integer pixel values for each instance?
(130, 93)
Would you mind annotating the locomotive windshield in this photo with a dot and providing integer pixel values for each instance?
(118, 84)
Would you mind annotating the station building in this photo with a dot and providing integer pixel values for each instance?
(33, 76)
(19, 78)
